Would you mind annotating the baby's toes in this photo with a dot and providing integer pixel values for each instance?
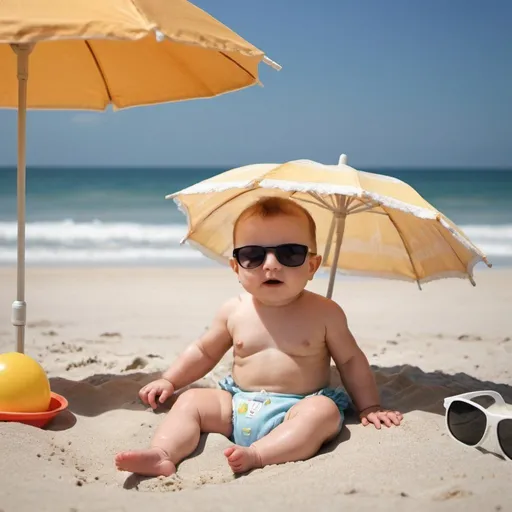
(229, 451)
(236, 455)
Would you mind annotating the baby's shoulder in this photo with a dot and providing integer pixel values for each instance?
(233, 304)
(321, 304)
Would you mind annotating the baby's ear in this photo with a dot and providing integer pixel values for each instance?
(234, 265)
(314, 264)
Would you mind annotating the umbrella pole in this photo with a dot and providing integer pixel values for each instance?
(19, 306)
(340, 229)
(340, 216)
(328, 242)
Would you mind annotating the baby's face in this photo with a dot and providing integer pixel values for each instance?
(272, 282)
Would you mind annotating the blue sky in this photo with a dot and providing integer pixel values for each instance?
(391, 83)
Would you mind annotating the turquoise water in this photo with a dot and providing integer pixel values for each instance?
(114, 215)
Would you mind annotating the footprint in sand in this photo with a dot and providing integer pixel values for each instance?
(64, 348)
(451, 494)
(469, 337)
(83, 362)
(137, 364)
(110, 335)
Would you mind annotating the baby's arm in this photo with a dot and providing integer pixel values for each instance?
(355, 371)
(202, 355)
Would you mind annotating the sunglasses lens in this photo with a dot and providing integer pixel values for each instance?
(251, 256)
(505, 436)
(466, 422)
(291, 255)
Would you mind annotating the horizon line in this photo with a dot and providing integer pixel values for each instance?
(229, 167)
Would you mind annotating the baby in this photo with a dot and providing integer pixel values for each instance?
(276, 406)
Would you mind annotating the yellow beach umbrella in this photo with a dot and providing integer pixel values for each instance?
(367, 224)
(88, 54)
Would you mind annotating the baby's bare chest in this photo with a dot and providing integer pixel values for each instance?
(295, 335)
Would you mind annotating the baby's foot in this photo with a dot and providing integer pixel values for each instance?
(242, 459)
(152, 462)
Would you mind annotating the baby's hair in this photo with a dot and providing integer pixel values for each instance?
(274, 207)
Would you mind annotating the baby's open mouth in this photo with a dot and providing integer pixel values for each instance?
(273, 282)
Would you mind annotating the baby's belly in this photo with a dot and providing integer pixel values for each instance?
(277, 372)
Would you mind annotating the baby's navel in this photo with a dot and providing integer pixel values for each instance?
(306, 343)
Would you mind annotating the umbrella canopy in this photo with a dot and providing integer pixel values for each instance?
(367, 224)
(92, 53)
(88, 54)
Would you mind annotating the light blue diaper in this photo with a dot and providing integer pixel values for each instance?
(256, 413)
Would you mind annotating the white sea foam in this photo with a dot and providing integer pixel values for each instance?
(68, 232)
(128, 255)
(68, 241)
(489, 232)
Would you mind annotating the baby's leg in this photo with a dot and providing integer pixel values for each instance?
(195, 411)
(308, 425)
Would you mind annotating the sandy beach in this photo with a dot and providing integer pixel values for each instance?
(102, 333)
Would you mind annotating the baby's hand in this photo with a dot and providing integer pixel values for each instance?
(161, 387)
(377, 416)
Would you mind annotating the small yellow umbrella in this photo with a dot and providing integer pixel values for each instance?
(88, 54)
(367, 224)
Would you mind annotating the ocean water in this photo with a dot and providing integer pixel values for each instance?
(84, 216)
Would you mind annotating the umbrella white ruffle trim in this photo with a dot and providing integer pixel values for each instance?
(208, 188)
(307, 187)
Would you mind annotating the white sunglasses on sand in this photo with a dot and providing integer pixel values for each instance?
(470, 423)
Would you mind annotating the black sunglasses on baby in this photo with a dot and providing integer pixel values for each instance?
(289, 255)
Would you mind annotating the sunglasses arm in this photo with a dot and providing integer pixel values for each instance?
(473, 394)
